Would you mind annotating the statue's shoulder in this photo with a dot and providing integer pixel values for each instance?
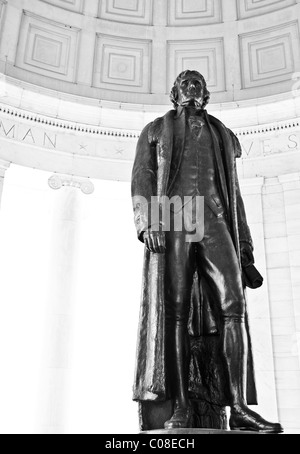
(156, 128)
(236, 144)
(218, 125)
(230, 134)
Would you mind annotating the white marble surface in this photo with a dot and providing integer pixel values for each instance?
(274, 229)
(262, 345)
(283, 196)
(4, 165)
(266, 390)
(288, 378)
(283, 325)
(58, 324)
(258, 303)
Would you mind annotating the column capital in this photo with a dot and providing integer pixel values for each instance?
(58, 181)
(252, 185)
(4, 165)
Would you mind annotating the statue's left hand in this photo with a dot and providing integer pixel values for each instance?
(247, 254)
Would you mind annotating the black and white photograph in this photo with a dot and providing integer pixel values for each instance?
(150, 220)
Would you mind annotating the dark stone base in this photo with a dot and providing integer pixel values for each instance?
(153, 415)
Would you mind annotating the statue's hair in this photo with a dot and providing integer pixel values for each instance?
(174, 91)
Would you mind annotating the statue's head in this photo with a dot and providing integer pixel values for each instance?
(190, 89)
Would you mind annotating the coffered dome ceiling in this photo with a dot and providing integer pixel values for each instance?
(79, 79)
(130, 51)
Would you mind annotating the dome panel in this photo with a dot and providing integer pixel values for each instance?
(205, 56)
(269, 56)
(131, 11)
(194, 12)
(71, 5)
(250, 8)
(122, 64)
(48, 48)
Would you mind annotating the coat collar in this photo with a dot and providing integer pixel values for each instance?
(183, 110)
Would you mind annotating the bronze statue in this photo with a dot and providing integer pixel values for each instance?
(194, 343)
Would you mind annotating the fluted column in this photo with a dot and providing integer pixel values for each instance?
(258, 303)
(291, 193)
(282, 221)
(4, 165)
(62, 276)
(291, 340)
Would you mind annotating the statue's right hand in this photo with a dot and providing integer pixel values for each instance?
(155, 242)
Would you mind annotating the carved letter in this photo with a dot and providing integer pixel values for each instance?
(249, 150)
(266, 144)
(12, 129)
(48, 139)
(28, 134)
(293, 141)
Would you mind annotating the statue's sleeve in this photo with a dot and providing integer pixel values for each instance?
(244, 230)
(144, 180)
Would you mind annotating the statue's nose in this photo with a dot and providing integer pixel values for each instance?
(192, 86)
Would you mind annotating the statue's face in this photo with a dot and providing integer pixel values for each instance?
(191, 91)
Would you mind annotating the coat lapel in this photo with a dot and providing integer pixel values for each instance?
(228, 157)
(220, 164)
(178, 145)
(165, 153)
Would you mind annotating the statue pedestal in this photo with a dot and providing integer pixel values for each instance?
(153, 416)
(179, 432)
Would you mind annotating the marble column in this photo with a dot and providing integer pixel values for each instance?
(281, 221)
(291, 391)
(62, 278)
(258, 303)
(4, 165)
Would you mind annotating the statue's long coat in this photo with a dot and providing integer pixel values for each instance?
(156, 166)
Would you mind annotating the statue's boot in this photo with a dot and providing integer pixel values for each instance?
(246, 419)
(181, 418)
(236, 356)
(180, 357)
